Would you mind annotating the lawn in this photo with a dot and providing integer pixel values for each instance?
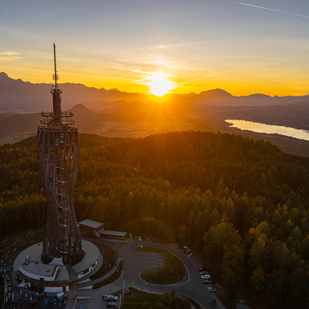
(173, 271)
(137, 299)
(140, 300)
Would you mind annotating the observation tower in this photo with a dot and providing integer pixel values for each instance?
(63, 257)
(58, 155)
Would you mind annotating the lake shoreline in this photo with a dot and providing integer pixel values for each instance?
(263, 128)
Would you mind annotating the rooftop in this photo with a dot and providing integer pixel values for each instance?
(113, 233)
(91, 223)
(37, 270)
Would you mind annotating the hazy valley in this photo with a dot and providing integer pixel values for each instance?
(115, 113)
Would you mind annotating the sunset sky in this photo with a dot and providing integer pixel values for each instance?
(243, 47)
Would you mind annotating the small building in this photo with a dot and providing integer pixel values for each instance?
(92, 225)
(98, 229)
(113, 234)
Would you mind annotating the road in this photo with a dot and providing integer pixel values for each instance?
(137, 261)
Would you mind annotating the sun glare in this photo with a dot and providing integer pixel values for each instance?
(159, 84)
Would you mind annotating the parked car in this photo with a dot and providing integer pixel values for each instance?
(211, 288)
(207, 281)
(201, 268)
(144, 238)
(206, 276)
(112, 305)
(204, 272)
(183, 250)
(213, 303)
(139, 238)
(191, 254)
(152, 239)
(135, 238)
(110, 297)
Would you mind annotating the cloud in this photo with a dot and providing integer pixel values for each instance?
(9, 55)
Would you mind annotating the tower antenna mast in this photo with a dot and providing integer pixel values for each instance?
(56, 92)
(55, 67)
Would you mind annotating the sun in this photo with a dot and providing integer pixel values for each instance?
(159, 84)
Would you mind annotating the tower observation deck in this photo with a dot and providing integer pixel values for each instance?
(58, 155)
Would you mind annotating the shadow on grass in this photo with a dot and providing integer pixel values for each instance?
(110, 279)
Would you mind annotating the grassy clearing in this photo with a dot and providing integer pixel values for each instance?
(137, 299)
(173, 271)
(109, 259)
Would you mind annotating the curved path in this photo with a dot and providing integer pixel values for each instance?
(135, 262)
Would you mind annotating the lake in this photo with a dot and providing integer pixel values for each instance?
(269, 129)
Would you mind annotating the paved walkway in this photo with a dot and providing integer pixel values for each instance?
(135, 262)
(98, 280)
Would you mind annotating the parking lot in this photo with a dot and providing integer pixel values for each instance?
(149, 260)
(83, 303)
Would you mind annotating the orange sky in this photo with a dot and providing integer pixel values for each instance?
(115, 44)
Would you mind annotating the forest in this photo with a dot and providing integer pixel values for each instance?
(242, 203)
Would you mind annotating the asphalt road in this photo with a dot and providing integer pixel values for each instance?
(136, 261)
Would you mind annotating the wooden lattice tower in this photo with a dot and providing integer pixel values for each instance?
(58, 155)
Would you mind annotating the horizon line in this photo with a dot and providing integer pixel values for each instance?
(167, 94)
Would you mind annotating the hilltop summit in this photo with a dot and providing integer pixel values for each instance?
(4, 76)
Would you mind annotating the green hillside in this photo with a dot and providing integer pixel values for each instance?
(242, 203)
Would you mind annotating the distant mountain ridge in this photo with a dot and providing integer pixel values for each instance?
(25, 97)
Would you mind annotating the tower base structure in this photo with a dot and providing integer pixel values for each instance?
(54, 277)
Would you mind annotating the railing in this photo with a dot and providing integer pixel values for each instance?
(63, 114)
(51, 118)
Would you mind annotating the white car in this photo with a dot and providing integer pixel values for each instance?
(110, 298)
(190, 254)
(206, 276)
(204, 272)
(112, 305)
(139, 238)
(211, 289)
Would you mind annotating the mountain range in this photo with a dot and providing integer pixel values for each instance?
(24, 97)
(122, 114)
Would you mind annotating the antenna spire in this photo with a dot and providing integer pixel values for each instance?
(56, 92)
(55, 67)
